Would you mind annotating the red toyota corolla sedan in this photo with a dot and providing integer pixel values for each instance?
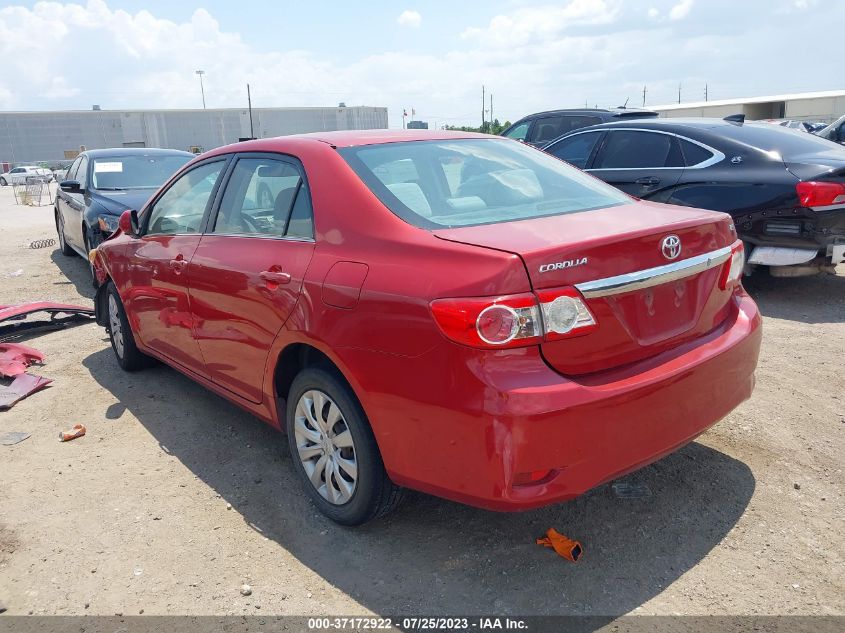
(454, 313)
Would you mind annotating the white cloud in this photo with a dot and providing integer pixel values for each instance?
(410, 18)
(531, 57)
(653, 13)
(542, 23)
(681, 10)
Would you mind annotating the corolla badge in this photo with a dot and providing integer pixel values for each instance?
(671, 246)
(569, 263)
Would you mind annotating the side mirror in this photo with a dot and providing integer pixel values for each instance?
(71, 186)
(128, 223)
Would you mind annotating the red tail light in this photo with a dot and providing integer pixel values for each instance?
(820, 194)
(514, 320)
(732, 270)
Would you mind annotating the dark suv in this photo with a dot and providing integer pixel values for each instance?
(542, 127)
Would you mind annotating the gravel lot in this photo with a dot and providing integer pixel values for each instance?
(175, 498)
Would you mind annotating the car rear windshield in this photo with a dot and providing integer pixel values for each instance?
(781, 140)
(467, 182)
(135, 172)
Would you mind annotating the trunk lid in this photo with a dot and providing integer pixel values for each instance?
(578, 248)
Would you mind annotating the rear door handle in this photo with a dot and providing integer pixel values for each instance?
(648, 180)
(275, 276)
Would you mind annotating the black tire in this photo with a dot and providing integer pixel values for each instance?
(374, 494)
(87, 241)
(129, 357)
(60, 229)
(3, 182)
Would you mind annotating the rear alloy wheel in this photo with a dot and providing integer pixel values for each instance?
(334, 450)
(60, 229)
(129, 357)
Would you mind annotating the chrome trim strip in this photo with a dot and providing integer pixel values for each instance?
(653, 276)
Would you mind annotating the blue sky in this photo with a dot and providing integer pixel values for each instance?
(430, 56)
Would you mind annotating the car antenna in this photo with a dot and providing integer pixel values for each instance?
(735, 118)
(625, 105)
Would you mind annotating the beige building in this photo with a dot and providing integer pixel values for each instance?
(806, 106)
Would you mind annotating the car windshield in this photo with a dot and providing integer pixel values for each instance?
(135, 172)
(466, 182)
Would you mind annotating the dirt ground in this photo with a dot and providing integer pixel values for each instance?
(175, 498)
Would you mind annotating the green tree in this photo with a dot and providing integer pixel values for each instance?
(488, 127)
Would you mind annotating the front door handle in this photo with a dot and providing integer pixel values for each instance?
(275, 276)
(177, 264)
(649, 181)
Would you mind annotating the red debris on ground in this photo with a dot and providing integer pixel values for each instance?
(22, 386)
(15, 358)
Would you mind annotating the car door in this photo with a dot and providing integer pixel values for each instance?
(157, 293)
(577, 149)
(247, 272)
(643, 163)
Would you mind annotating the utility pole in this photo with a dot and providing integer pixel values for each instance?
(202, 88)
(483, 103)
(249, 102)
(644, 91)
(491, 108)
(679, 92)
(705, 92)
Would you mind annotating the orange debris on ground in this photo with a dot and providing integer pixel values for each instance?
(563, 545)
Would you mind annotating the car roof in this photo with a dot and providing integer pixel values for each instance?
(347, 138)
(615, 112)
(133, 151)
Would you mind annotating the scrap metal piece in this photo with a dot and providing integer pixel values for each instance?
(15, 358)
(13, 324)
(22, 385)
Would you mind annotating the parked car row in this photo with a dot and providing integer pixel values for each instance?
(784, 189)
(559, 331)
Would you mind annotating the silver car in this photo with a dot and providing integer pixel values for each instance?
(18, 175)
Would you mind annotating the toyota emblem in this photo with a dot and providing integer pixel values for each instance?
(671, 246)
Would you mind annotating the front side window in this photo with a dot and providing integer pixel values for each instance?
(576, 149)
(265, 196)
(546, 129)
(466, 182)
(119, 173)
(181, 208)
(71, 172)
(82, 173)
(629, 149)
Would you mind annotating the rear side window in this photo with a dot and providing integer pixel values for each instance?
(576, 149)
(694, 154)
(629, 149)
(262, 197)
(466, 182)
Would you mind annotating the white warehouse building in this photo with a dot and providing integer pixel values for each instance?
(806, 106)
(50, 136)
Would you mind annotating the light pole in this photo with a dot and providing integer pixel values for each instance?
(202, 89)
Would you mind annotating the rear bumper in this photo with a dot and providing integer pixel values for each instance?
(524, 417)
